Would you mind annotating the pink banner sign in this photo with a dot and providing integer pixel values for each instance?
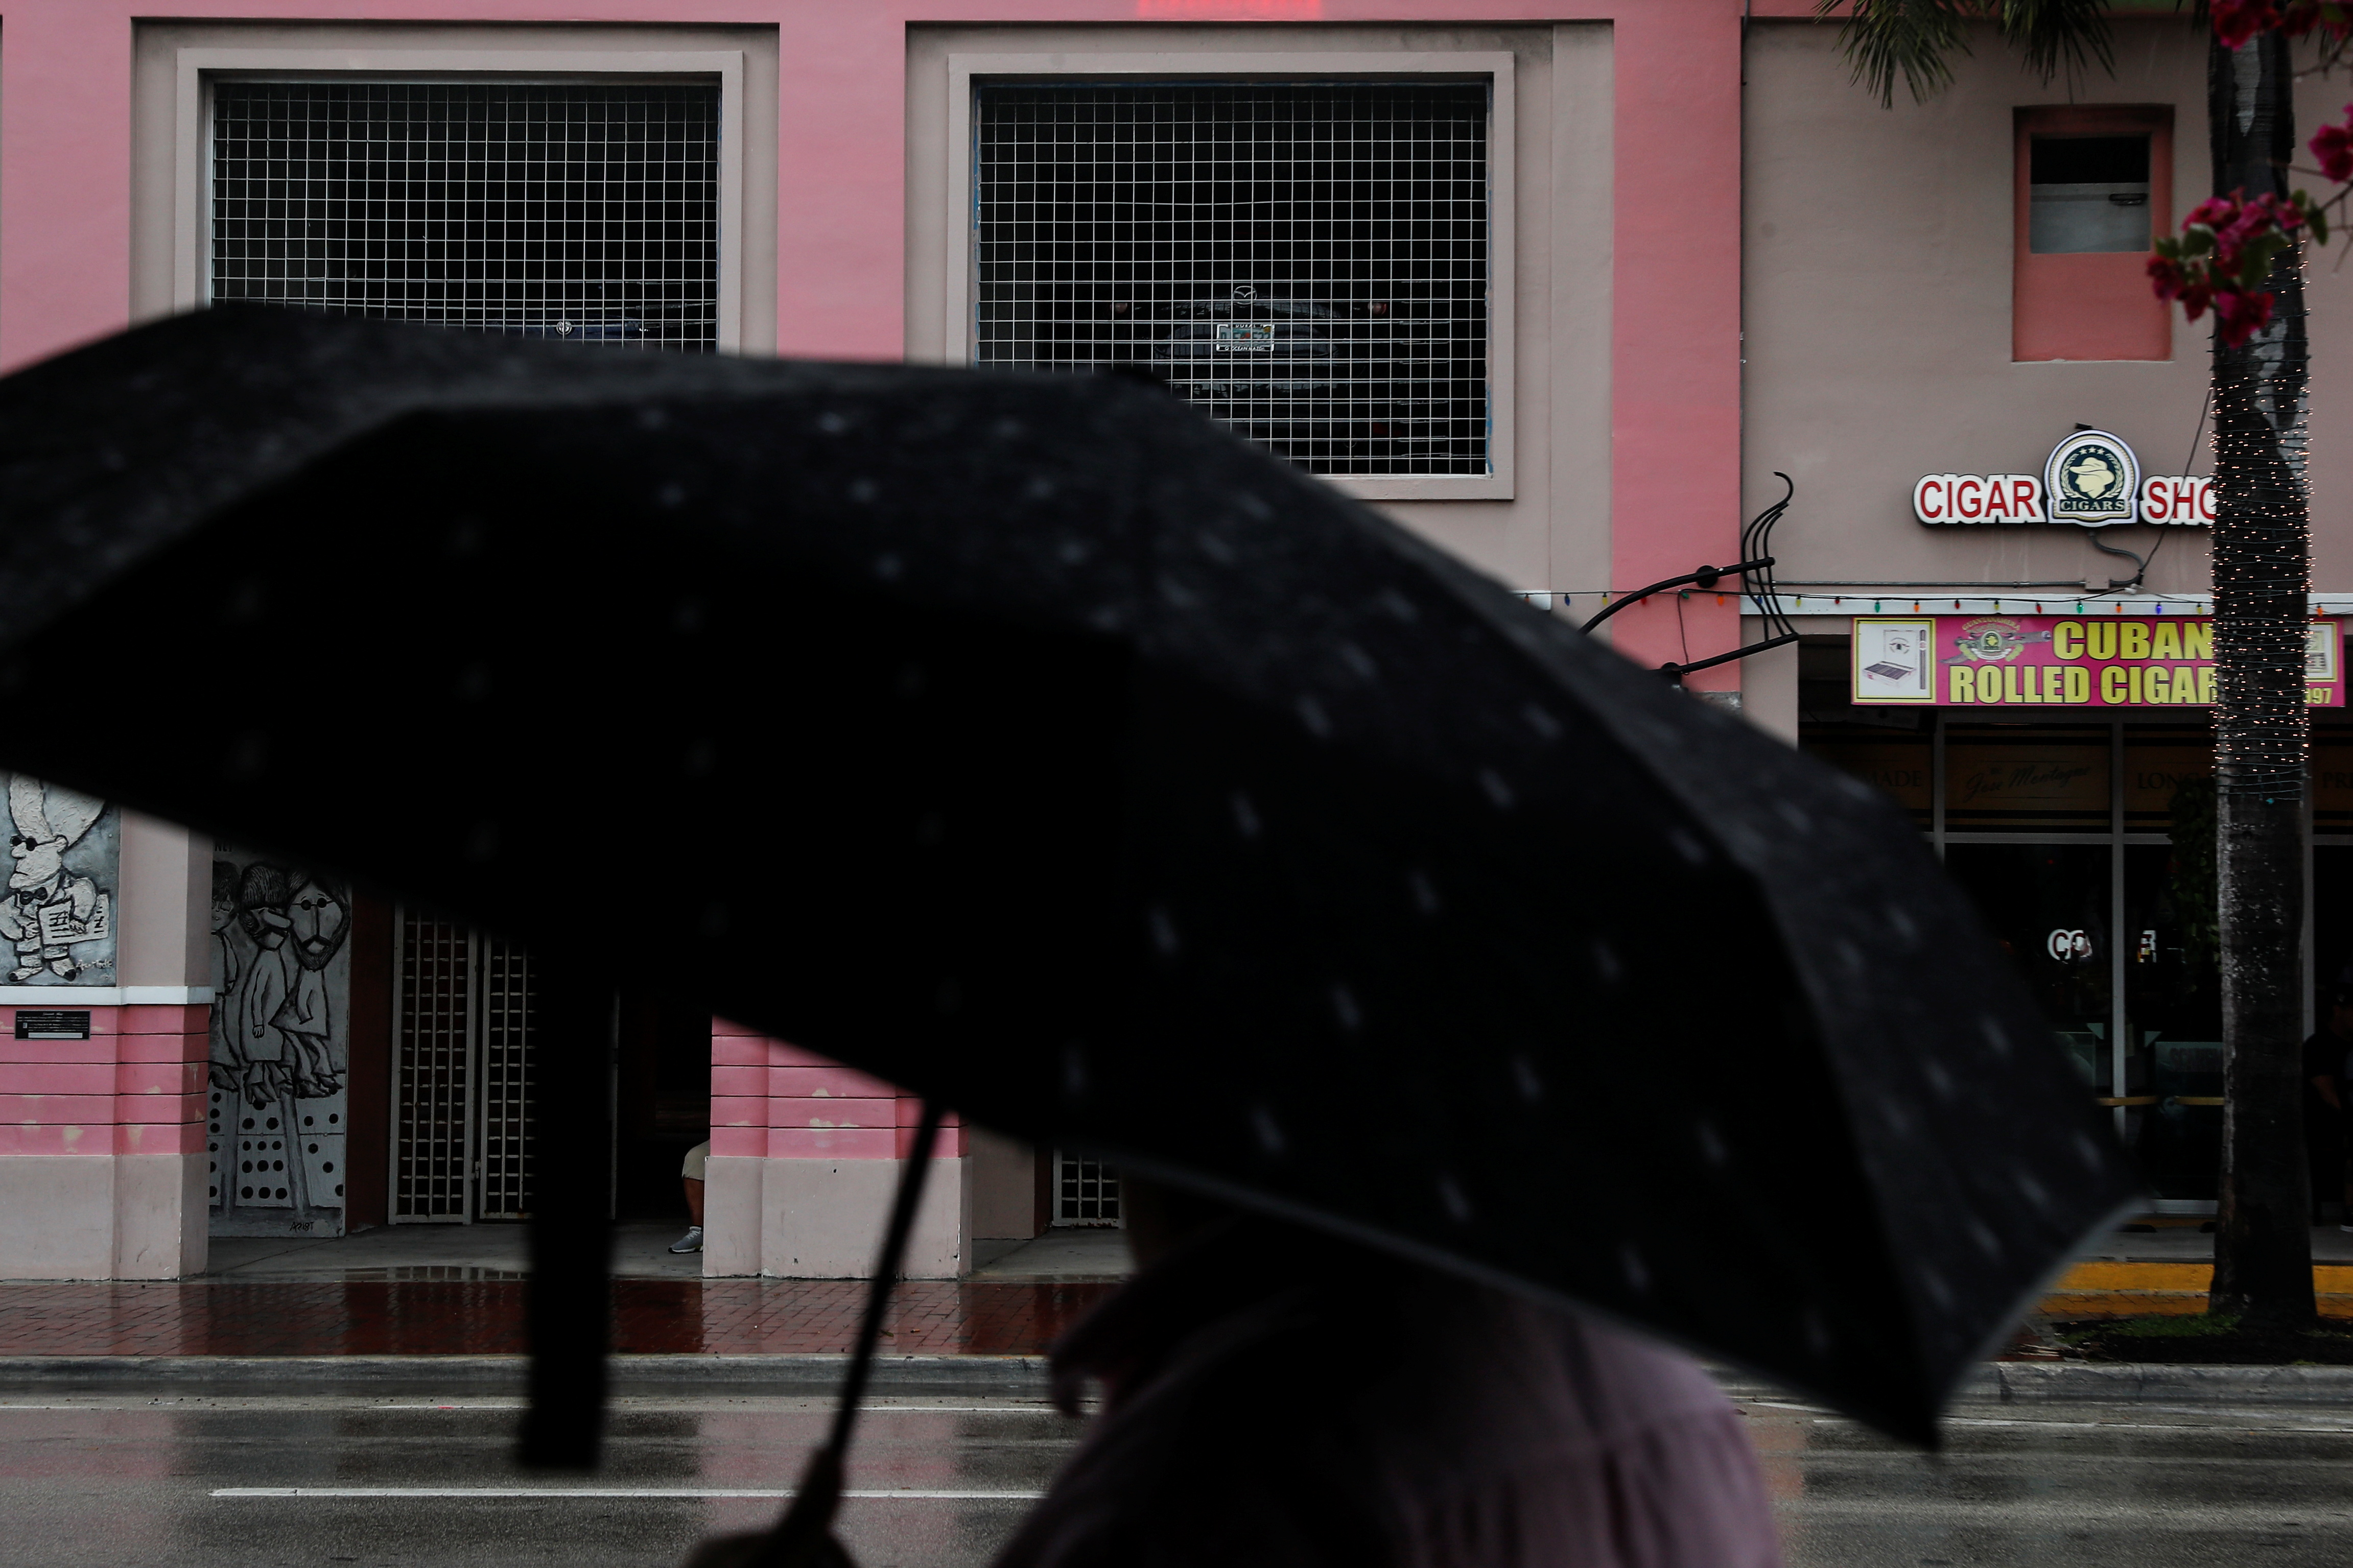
(2062, 661)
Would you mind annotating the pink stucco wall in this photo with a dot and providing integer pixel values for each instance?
(65, 207)
(772, 1100)
(135, 1087)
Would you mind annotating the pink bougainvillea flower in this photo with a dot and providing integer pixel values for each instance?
(2240, 316)
(2212, 213)
(2236, 21)
(2171, 282)
(2333, 146)
(2224, 255)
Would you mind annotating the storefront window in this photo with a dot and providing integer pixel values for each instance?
(2172, 1091)
(2026, 778)
(2158, 761)
(2332, 914)
(2062, 833)
(1899, 762)
(2048, 906)
(2332, 781)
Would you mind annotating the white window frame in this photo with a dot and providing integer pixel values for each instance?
(196, 68)
(968, 67)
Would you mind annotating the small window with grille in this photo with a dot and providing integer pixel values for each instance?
(2093, 186)
(1307, 261)
(1086, 1191)
(588, 213)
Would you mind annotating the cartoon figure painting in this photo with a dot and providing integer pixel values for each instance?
(58, 913)
(280, 1047)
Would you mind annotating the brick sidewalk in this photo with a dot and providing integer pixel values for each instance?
(717, 1317)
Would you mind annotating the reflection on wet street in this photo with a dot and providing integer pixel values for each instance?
(2067, 1485)
(118, 1481)
(254, 1483)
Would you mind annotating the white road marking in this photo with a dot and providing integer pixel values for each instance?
(919, 1493)
(782, 1404)
(2146, 1426)
(2219, 1421)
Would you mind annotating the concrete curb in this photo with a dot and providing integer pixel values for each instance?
(2031, 1382)
(2026, 1382)
(1021, 1378)
(900, 1376)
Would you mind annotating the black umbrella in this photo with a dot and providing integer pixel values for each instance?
(1031, 742)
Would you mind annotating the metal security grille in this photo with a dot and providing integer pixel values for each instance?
(504, 1186)
(462, 1137)
(1306, 261)
(1086, 1192)
(433, 1056)
(588, 213)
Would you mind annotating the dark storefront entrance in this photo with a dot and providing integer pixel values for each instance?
(2064, 832)
(463, 1111)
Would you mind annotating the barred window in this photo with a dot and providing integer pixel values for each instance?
(581, 211)
(1308, 261)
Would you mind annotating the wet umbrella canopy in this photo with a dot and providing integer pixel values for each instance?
(1033, 744)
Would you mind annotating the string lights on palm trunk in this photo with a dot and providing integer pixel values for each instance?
(2262, 553)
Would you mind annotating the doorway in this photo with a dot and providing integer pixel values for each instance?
(461, 1067)
(663, 1104)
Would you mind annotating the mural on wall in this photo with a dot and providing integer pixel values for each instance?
(281, 1047)
(57, 917)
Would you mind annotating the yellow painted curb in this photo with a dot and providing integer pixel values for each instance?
(2161, 1290)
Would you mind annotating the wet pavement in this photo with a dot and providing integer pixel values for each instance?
(2182, 1238)
(252, 1483)
(2080, 1486)
(641, 1251)
(459, 1290)
(429, 1317)
(411, 1483)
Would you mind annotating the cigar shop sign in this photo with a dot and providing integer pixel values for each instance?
(2092, 480)
(2104, 661)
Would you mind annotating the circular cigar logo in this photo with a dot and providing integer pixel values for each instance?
(2092, 480)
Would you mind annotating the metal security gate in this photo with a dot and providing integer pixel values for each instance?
(502, 1189)
(461, 1076)
(580, 211)
(1086, 1192)
(433, 1049)
(1308, 262)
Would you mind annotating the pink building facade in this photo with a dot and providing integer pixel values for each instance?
(1689, 254)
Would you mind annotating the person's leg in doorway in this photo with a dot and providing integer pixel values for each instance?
(691, 1179)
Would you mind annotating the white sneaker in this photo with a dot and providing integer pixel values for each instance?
(690, 1242)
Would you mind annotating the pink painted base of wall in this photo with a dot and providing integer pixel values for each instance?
(103, 1157)
(823, 1219)
(102, 1216)
(805, 1155)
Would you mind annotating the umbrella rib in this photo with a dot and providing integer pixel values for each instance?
(807, 1521)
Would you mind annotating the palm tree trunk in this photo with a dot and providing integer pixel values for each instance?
(2263, 1247)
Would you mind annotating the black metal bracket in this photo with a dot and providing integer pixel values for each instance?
(1677, 671)
(1754, 537)
(1705, 577)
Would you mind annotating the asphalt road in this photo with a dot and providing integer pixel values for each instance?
(258, 1483)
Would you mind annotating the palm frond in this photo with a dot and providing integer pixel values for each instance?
(1913, 40)
(1917, 40)
(2055, 36)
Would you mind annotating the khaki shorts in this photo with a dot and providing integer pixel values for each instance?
(694, 1159)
